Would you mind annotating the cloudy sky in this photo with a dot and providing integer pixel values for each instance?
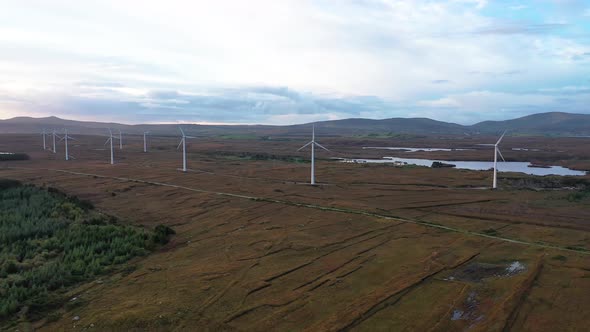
(293, 61)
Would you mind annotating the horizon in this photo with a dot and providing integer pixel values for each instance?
(269, 125)
(294, 62)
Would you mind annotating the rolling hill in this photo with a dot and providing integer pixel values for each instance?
(554, 123)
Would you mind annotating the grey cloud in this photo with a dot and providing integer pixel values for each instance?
(440, 81)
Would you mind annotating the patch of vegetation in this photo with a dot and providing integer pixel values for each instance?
(389, 135)
(261, 156)
(490, 231)
(576, 248)
(240, 136)
(13, 156)
(578, 195)
(547, 182)
(162, 233)
(52, 241)
(560, 258)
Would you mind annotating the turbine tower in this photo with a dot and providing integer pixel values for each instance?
(65, 138)
(313, 143)
(183, 143)
(496, 153)
(110, 140)
(145, 141)
(54, 135)
(44, 145)
(120, 140)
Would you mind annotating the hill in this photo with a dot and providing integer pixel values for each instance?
(554, 123)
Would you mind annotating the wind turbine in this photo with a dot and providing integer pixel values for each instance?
(110, 140)
(313, 143)
(54, 135)
(44, 145)
(183, 143)
(65, 138)
(120, 140)
(145, 141)
(496, 153)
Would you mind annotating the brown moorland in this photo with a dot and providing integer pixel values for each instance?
(373, 247)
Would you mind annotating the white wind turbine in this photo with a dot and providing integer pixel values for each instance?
(44, 145)
(313, 143)
(496, 153)
(145, 141)
(183, 143)
(65, 138)
(54, 136)
(120, 140)
(110, 140)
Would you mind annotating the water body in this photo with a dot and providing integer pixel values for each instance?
(524, 149)
(510, 166)
(413, 149)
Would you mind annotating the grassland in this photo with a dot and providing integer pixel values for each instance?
(372, 248)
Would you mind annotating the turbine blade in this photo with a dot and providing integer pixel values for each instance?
(72, 157)
(303, 147)
(189, 136)
(73, 139)
(500, 153)
(107, 141)
(182, 131)
(318, 144)
(498, 142)
(179, 144)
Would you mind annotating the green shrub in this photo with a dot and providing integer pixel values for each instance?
(14, 156)
(161, 234)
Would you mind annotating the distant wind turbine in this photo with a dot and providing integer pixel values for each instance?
(496, 153)
(65, 138)
(183, 143)
(44, 145)
(54, 135)
(120, 140)
(110, 140)
(313, 143)
(145, 141)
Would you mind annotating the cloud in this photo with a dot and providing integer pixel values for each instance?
(520, 28)
(270, 61)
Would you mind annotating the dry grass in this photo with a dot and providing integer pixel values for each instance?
(371, 249)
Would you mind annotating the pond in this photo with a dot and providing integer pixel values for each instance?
(413, 149)
(510, 166)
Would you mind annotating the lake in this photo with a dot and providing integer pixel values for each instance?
(413, 149)
(510, 166)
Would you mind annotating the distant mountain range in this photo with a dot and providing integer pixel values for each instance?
(554, 123)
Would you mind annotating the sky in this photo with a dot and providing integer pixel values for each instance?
(293, 61)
